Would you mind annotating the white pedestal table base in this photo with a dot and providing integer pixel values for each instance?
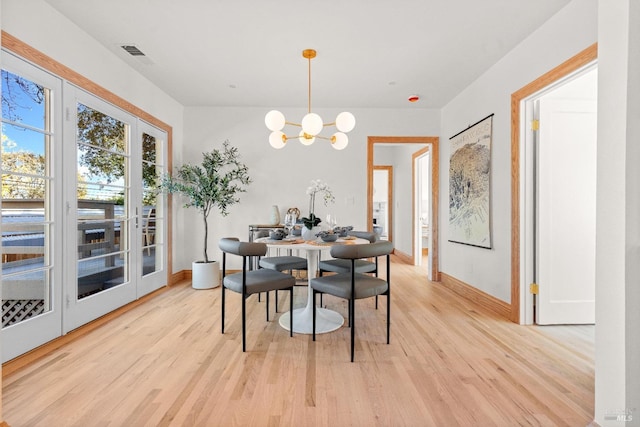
(326, 320)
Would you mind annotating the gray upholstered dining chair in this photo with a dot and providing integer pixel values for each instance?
(282, 263)
(353, 285)
(344, 265)
(249, 282)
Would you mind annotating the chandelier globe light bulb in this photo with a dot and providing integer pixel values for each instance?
(277, 139)
(339, 141)
(312, 124)
(345, 122)
(274, 120)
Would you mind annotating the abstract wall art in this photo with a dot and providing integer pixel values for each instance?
(469, 185)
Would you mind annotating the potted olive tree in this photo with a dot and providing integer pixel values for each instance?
(215, 183)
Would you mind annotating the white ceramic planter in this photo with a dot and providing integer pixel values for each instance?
(310, 234)
(205, 275)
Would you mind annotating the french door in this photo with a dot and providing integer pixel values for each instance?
(31, 195)
(83, 226)
(116, 214)
(98, 208)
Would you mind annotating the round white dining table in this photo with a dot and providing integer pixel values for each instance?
(326, 320)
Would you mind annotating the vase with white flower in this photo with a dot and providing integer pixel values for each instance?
(311, 222)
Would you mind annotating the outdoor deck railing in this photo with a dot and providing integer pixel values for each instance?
(23, 228)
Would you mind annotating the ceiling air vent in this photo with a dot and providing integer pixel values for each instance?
(132, 50)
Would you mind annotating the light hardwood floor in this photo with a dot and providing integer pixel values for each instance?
(449, 363)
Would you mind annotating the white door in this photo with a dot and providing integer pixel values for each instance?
(100, 211)
(31, 208)
(566, 207)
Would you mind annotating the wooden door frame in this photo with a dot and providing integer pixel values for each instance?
(433, 142)
(389, 170)
(573, 64)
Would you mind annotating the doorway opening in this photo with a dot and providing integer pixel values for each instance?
(383, 201)
(522, 232)
(408, 206)
(421, 162)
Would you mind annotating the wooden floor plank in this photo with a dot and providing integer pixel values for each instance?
(165, 363)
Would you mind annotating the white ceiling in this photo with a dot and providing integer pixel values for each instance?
(371, 53)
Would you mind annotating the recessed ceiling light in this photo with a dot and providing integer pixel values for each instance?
(414, 98)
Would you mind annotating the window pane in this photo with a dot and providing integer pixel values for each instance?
(20, 187)
(99, 274)
(23, 245)
(103, 132)
(23, 150)
(97, 238)
(149, 148)
(100, 166)
(23, 101)
(25, 295)
(101, 197)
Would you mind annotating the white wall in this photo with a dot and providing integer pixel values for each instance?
(45, 29)
(281, 177)
(567, 33)
(617, 351)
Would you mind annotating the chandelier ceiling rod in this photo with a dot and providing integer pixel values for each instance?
(309, 54)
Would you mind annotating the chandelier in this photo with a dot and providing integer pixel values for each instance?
(311, 124)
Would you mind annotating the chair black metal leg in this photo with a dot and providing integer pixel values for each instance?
(314, 314)
(222, 303)
(376, 302)
(388, 314)
(244, 320)
(276, 301)
(267, 305)
(353, 326)
(291, 312)
(319, 275)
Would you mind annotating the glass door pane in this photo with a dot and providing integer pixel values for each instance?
(102, 190)
(152, 260)
(26, 264)
(152, 250)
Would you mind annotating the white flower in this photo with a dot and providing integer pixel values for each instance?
(317, 186)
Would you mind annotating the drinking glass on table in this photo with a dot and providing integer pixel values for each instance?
(289, 223)
(332, 221)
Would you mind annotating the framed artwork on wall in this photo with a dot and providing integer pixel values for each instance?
(470, 185)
